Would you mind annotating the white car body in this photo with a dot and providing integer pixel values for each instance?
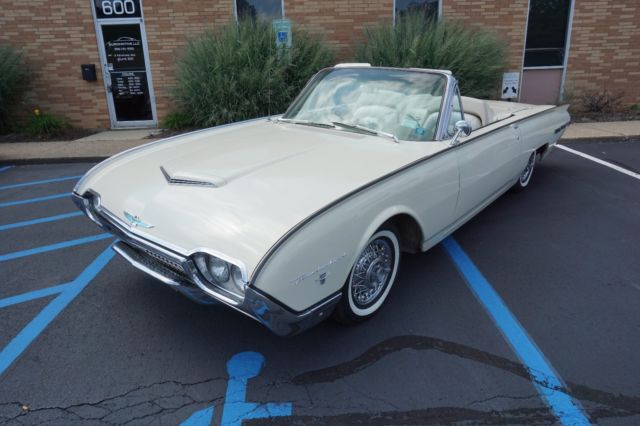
(292, 206)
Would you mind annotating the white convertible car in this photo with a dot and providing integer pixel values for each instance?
(292, 219)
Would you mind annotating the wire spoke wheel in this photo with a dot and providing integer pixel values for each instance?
(525, 176)
(372, 272)
(372, 276)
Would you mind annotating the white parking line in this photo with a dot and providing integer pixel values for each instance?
(599, 161)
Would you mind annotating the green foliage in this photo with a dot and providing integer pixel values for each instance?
(237, 73)
(45, 125)
(177, 120)
(13, 79)
(476, 56)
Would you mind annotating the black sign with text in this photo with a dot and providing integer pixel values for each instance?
(108, 9)
(127, 68)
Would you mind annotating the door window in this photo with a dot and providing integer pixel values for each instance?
(129, 87)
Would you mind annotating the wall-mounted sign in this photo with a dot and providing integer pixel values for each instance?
(510, 85)
(125, 53)
(282, 28)
(109, 9)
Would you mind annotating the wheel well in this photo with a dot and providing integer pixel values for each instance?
(542, 150)
(409, 232)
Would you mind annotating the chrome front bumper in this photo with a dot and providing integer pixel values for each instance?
(179, 272)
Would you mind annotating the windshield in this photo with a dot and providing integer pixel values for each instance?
(398, 102)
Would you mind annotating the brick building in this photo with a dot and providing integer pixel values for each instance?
(557, 47)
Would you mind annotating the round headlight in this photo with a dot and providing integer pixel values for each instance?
(219, 269)
(220, 274)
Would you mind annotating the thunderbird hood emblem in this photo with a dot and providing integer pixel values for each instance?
(136, 221)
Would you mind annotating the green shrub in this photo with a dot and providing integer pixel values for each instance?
(476, 56)
(45, 125)
(13, 79)
(177, 120)
(237, 73)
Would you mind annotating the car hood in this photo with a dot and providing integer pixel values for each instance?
(238, 189)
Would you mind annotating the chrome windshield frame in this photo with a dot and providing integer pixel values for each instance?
(445, 105)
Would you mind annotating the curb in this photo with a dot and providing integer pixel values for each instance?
(55, 160)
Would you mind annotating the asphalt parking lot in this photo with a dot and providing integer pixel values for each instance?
(87, 339)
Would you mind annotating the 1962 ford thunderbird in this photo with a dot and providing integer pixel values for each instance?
(291, 219)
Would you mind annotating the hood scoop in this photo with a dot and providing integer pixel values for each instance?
(191, 179)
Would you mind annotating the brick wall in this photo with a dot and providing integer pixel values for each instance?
(341, 22)
(169, 24)
(55, 38)
(506, 17)
(605, 48)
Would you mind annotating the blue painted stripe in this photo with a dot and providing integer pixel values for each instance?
(35, 200)
(32, 295)
(32, 330)
(2, 169)
(52, 247)
(40, 182)
(200, 418)
(37, 221)
(548, 384)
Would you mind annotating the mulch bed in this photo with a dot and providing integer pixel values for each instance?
(63, 135)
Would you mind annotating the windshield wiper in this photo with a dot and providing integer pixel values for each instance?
(366, 130)
(306, 123)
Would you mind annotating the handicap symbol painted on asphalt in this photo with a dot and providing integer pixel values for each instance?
(240, 368)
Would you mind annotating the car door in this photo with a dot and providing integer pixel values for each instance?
(487, 164)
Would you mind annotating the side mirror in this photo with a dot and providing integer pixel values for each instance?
(462, 127)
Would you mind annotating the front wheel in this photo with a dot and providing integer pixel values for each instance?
(371, 278)
(525, 176)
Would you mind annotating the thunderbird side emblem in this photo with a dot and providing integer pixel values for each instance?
(136, 221)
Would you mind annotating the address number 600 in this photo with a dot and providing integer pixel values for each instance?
(118, 7)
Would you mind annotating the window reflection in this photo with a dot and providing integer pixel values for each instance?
(404, 103)
(409, 7)
(266, 10)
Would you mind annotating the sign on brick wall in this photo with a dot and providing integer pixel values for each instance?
(116, 9)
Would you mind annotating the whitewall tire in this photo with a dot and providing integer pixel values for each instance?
(371, 278)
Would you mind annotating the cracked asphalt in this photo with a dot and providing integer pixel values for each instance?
(563, 255)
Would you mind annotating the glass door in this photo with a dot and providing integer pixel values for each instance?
(125, 64)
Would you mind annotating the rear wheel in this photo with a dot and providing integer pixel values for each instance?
(371, 278)
(525, 176)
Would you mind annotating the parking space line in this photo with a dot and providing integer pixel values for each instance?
(32, 330)
(39, 182)
(33, 295)
(599, 161)
(41, 220)
(52, 247)
(548, 384)
(35, 200)
(2, 169)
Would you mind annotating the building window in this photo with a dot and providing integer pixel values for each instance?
(430, 8)
(266, 10)
(547, 33)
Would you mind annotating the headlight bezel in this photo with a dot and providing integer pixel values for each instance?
(233, 283)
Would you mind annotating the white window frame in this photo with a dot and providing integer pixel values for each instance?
(393, 11)
(235, 9)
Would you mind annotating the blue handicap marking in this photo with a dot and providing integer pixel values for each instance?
(240, 368)
(199, 418)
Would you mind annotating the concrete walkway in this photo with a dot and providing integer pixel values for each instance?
(105, 144)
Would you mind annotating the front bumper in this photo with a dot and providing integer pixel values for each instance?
(178, 271)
